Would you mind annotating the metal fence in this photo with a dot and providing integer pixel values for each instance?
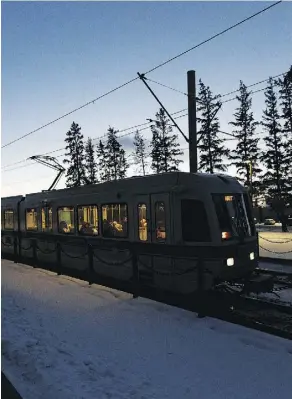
(288, 241)
(88, 248)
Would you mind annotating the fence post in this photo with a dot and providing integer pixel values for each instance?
(15, 249)
(258, 245)
(200, 277)
(59, 260)
(90, 264)
(19, 246)
(136, 287)
(34, 251)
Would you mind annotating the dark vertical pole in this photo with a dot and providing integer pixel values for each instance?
(90, 264)
(192, 111)
(135, 275)
(200, 285)
(251, 188)
(18, 227)
(15, 249)
(59, 258)
(19, 246)
(34, 252)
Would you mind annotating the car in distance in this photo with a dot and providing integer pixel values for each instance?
(269, 222)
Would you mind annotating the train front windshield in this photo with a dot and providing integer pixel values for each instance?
(234, 215)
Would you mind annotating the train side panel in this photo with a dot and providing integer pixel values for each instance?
(170, 209)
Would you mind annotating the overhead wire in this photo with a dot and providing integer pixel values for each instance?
(95, 138)
(213, 37)
(129, 155)
(29, 164)
(221, 95)
(62, 155)
(26, 159)
(149, 71)
(253, 84)
(70, 112)
(168, 87)
(228, 134)
(63, 148)
(130, 128)
(148, 123)
(235, 98)
(119, 137)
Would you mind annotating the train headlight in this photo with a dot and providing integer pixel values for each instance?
(230, 262)
(225, 235)
(251, 256)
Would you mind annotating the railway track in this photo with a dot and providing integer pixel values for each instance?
(263, 314)
(279, 276)
(275, 322)
(268, 311)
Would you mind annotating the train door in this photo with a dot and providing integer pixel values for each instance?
(142, 219)
(161, 224)
(163, 266)
(143, 233)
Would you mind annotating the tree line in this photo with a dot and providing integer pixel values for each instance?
(106, 161)
(267, 171)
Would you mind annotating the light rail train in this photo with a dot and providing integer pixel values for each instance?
(209, 215)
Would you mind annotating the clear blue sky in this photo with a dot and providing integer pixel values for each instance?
(57, 56)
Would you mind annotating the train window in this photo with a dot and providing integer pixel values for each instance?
(115, 220)
(232, 216)
(248, 207)
(8, 219)
(222, 215)
(47, 219)
(142, 218)
(66, 223)
(160, 221)
(88, 220)
(194, 220)
(31, 219)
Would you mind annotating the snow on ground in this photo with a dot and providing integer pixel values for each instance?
(279, 248)
(63, 339)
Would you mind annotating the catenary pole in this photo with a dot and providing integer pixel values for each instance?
(192, 113)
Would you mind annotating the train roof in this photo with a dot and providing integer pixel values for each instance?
(137, 184)
(12, 199)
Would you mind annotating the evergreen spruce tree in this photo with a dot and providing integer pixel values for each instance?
(122, 164)
(164, 145)
(275, 179)
(211, 148)
(90, 165)
(155, 152)
(285, 94)
(112, 161)
(102, 162)
(246, 155)
(139, 154)
(75, 175)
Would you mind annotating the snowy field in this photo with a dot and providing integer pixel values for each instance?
(276, 245)
(63, 339)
